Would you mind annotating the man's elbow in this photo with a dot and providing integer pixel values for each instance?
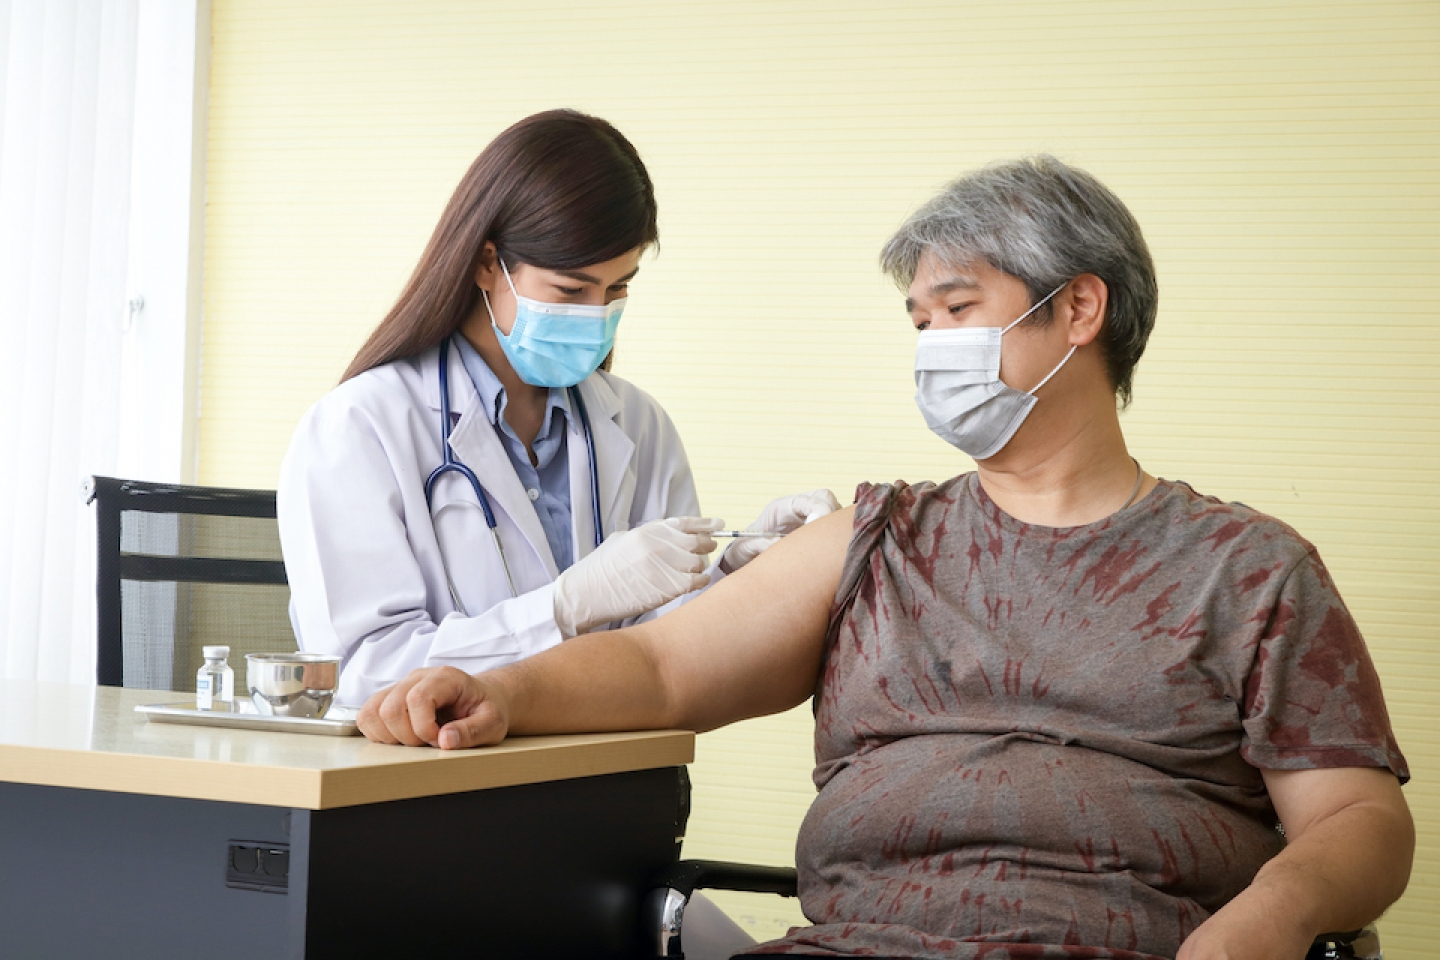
(1400, 843)
(1384, 822)
(1385, 826)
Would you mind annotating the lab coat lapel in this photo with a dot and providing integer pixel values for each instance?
(477, 445)
(614, 451)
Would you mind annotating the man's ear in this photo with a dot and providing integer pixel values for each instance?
(1087, 298)
(487, 268)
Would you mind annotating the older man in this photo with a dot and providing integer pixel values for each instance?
(1061, 705)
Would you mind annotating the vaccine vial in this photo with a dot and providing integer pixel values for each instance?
(215, 681)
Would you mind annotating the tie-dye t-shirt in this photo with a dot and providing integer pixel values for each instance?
(1041, 742)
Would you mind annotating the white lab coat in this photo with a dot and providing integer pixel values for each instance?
(363, 554)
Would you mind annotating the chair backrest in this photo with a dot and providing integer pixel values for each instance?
(180, 568)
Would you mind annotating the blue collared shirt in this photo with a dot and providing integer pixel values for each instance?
(547, 481)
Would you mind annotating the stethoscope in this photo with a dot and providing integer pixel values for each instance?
(451, 463)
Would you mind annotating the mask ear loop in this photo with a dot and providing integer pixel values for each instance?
(1038, 304)
(1036, 388)
(507, 275)
(486, 297)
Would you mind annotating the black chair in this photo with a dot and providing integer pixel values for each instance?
(665, 907)
(181, 568)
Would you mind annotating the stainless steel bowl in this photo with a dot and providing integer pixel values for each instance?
(292, 684)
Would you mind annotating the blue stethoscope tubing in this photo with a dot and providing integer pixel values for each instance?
(451, 463)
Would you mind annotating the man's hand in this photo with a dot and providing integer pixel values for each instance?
(1246, 929)
(440, 706)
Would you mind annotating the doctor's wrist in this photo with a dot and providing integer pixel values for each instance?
(572, 616)
(564, 622)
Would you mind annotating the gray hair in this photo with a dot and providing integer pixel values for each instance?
(1044, 223)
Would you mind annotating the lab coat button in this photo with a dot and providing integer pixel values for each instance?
(533, 494)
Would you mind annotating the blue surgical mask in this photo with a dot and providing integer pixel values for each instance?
(556, 344)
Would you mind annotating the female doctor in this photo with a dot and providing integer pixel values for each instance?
(477, 489)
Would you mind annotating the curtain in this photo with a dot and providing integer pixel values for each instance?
(67, 93)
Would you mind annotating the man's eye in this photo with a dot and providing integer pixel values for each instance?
(922, 325)
(571, 291)
(957, 308)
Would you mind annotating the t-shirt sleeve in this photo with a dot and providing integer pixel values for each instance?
(1313, 698)
(874, 503)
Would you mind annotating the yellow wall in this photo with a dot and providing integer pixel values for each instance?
(1283, 157)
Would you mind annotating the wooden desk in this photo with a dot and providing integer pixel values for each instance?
(122, 838)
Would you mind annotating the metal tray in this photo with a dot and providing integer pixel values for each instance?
(338, 721)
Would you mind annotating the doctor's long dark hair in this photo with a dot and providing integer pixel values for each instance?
(559, 190)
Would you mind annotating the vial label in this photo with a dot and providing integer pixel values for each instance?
(205, 691)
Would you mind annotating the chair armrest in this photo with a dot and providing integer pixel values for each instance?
(671, 889)
(1352, 945)
(687, 876)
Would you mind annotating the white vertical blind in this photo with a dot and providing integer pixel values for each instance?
(161, 359)
(65, 140)
(96, 153)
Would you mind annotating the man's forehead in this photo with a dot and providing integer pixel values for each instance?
(934, 275)
(937, 260)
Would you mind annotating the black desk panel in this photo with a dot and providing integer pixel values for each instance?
(542, 870)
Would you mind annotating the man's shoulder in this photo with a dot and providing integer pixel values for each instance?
(1204, 520)
(921, 503)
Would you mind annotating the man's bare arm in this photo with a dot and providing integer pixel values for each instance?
(750, 645)
(1350, 841)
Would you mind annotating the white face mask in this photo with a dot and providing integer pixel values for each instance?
(959, 390)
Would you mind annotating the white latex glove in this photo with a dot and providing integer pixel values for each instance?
(784, 515)
(634, 571)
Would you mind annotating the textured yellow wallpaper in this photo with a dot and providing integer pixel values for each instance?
(1283, 157)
